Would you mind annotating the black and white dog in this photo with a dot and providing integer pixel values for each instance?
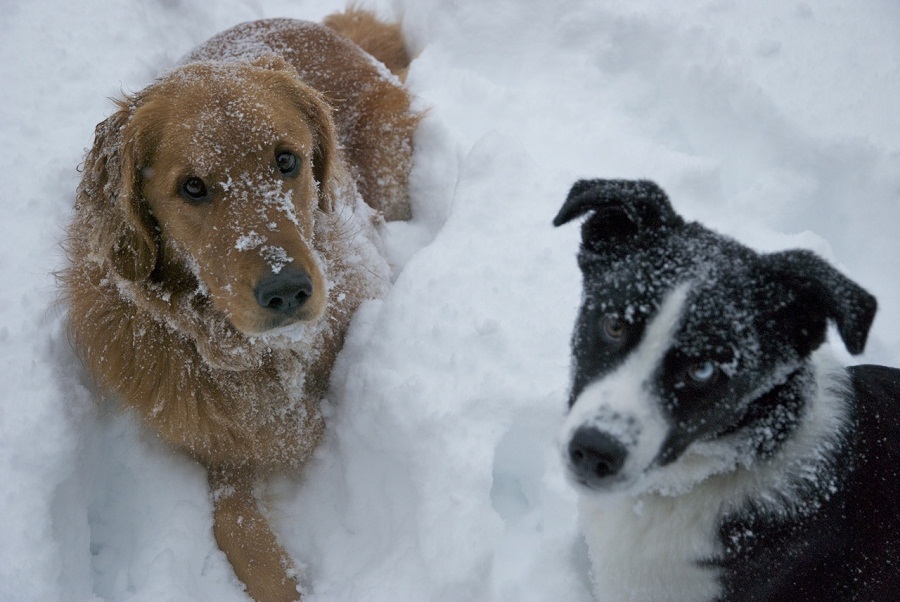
(721, 454)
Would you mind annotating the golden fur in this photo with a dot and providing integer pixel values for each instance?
(163, 286)
(385, 42)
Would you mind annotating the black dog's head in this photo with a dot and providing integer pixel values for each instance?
(688, 347)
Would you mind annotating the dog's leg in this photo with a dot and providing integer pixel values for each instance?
(243, 533)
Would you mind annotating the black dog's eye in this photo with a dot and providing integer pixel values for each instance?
(613, 329)
(288, 163)
(703, 374)
(194, 190)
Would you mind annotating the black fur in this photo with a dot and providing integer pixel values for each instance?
(846, 545)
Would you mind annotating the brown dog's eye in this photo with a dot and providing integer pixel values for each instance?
(288, 163)
(194, 190)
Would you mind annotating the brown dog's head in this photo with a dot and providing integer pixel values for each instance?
(221, 168)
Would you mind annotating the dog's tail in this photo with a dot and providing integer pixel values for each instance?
(382, 40)
(243, 533)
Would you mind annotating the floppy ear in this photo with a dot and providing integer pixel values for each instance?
(824, 294)
(619, 209)
(317, 113)
(125, 230)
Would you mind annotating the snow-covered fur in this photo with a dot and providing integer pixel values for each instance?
(225, 231)
(720, 451)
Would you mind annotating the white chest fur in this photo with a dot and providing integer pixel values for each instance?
(647, 549)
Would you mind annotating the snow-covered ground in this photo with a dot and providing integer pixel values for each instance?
(774, 121)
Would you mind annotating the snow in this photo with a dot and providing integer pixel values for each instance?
(774, 122)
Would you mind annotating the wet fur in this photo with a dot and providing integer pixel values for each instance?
(160, 291)
(773, 479)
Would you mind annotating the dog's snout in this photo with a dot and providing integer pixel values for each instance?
(595, 455)
(284, 292)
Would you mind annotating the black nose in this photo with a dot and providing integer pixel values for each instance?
(595, 455)
(284, 292)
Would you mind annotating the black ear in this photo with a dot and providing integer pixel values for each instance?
(823, 290)
(620, 208)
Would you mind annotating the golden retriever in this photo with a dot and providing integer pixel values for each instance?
(219, 249)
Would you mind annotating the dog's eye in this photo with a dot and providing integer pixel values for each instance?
(614, 329)
(288, 163)
(194, 190)
(703, 373)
